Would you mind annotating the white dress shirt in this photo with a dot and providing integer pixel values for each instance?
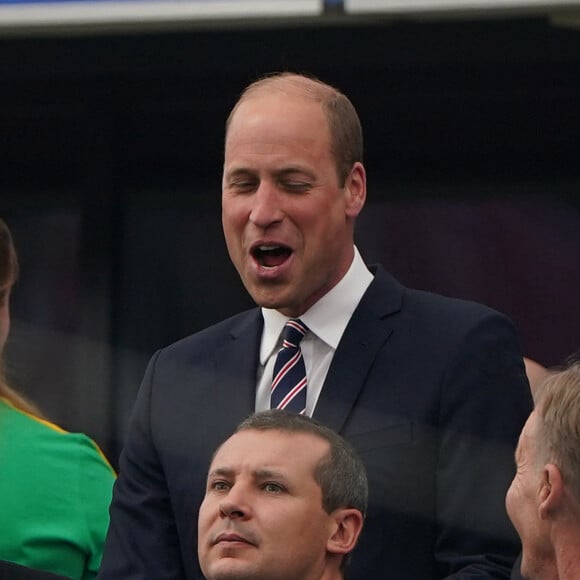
(326, 320)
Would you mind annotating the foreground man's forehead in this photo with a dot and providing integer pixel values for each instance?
(257, 444)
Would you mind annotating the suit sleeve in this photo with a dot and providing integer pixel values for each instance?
(484, 404)
(142, 541)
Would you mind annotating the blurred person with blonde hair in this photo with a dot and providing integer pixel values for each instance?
(55, 486)
(543, 501)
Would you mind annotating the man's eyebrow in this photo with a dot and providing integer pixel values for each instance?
(293, 170)
(221, 471)
(257, 474)
(262, 474)
(237, 171)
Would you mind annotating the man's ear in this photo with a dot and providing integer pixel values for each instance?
(355, 189)
(347, 526)
(551, 492)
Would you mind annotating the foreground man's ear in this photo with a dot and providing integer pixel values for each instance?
(348, 523)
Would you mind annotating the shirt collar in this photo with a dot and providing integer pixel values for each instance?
(328, 317)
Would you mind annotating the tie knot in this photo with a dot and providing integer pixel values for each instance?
(294, 332)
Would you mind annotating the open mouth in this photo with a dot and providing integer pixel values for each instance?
(271, 256)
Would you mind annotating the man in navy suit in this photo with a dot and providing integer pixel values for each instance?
(430, 391)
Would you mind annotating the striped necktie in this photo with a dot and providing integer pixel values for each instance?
(289, 379)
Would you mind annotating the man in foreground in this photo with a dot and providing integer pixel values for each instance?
(285, 499)
(543, 501)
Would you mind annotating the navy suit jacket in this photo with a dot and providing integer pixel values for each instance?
(11, 571)
(432, 393)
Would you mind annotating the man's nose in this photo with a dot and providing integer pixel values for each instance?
(266, 207)
(235, 505)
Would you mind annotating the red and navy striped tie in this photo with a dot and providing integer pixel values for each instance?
(289, 383)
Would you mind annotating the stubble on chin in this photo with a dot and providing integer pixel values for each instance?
(230, 569)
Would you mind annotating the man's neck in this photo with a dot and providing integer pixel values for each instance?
(567, 552)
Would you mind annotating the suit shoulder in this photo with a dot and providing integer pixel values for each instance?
(436, 316)
(388, 296)
(439, 306)
(205, 341)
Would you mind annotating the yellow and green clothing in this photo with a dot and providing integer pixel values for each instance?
(55, 490)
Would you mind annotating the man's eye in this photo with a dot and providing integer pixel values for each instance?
(219, 486)
(273, 487)
(296, 186)
(245, 185)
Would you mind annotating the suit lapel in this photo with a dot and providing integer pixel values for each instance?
(235, 367)
(369, 328)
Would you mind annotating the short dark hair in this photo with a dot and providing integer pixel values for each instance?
(346, 136)
(341, 474)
